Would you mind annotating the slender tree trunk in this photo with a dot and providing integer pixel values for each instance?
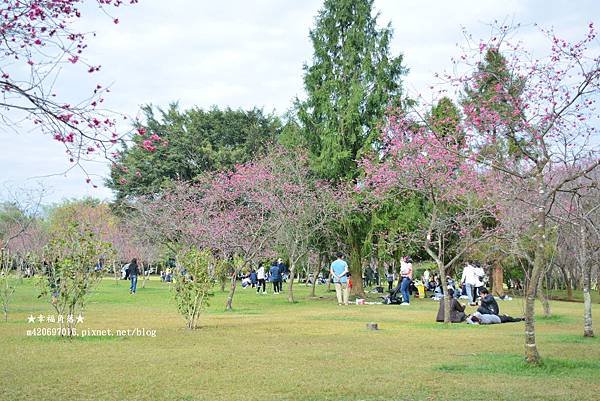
(21, 264)
(6, 295)
(318, 268)
(291, 282)
(192, 317)
(543, 297)
(568, 285)
(588, 330)
(116, 274)
(498, 279)
(442, 275)
(532, 355)
(229, 303)
(444, 285)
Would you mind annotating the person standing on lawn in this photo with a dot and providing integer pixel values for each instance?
(470, 281)
(260, 276)
(133, 273)
(275, 277)
(406, 273)
(339, 271)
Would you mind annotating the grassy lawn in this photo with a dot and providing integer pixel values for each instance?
(267, 349)
(577, 296)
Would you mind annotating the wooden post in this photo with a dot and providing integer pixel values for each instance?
(372, 326)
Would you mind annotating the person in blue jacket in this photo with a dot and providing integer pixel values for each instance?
(275, 277)
(339, 271)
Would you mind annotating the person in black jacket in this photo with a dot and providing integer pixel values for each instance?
(133, 273)
(489, 306)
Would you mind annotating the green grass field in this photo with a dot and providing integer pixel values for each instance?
(267, 349)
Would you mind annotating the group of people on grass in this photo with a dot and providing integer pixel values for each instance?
(276, 274)
(471, 281)
(471, 284)
(488, 311)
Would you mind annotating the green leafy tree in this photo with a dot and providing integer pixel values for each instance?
(175, 145)
(70, 274)
(494, 98)
(349, 85)
(445, 120)
(393, 223)
(193, 284)
(8, 283)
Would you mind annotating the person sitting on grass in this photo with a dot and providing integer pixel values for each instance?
(489, 306)
(480, 318)
(457, 311)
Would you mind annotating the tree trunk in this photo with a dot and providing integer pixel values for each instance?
(229, 303)
(532, 355)
(588, 330)
(291, 282)
(498, 279)
(444, 285)
(316, 272)
(116, 273)
(356, 269)
(543, 297)
(568, 285)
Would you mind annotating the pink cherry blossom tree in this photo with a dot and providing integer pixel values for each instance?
(529, 121)
(305, 207)
(229, 213)
(549, 125)
(271, 205)
(38, 40)
(457, 197)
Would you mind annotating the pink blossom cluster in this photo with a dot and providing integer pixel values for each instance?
(39, 35)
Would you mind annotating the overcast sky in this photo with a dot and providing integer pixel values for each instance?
(241, 53)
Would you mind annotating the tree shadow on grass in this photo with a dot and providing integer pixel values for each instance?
(515, 365)
(572, 339)
(553, 319)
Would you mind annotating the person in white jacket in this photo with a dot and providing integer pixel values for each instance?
(479, 274)
(470, 281)
(260, 276)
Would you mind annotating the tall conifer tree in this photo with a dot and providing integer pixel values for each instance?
(349, 85)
